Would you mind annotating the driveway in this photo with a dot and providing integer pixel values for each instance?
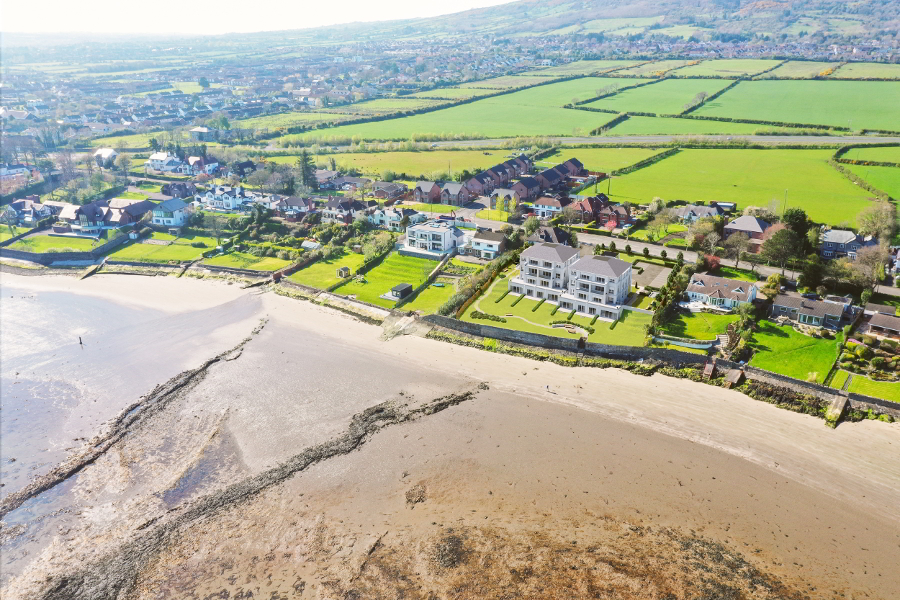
(653, 275)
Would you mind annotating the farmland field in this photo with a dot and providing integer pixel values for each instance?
(179, 250)
(783, 350)
(507, 81)
(582, 67)
(413, 164)
(857, 104)
(452, 93)
(323, 273)
(699, 326)
(432, 297)
(666, 97)
(390, 105)
(651, 69)
(671, 126)
(136, 140)
(749, 178)
(866, 70)
(800, 68)
(393, 270)
(290, 119)
(729, 67)
(600, 159)
(886, 179)
(885, 154)
(878, 389)
(53, 243)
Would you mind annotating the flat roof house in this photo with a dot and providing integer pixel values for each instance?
(720, 291)
(434, 236)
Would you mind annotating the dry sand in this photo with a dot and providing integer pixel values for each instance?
(610, 485)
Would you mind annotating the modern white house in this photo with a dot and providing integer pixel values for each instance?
(719, 291)
(434, 236)
(224, 197)
(163, 161)
(171, 213)
(105, 156)
(593, 285)
(392, 218)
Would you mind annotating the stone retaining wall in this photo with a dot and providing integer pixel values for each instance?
(861, 402)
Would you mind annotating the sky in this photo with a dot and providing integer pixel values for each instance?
(221, 16)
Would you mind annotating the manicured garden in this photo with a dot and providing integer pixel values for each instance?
(243, 260)
(887, 390)
(322, 274)
(54, 243)
(395, 269)
(840, 378)
(788, 352)
(432, 297)
(11, 231)
(180, 249)
(699, 325)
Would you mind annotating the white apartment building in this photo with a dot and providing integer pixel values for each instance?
(593, 285)
(434, 236)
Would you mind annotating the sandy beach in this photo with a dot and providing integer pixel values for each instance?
(260, 476)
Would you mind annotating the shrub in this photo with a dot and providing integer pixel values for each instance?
(663, 254)
(646, 251)
(877, 362)
(489, 317)
(198, 244)
(869, 340)
(145, 232)
(628, 249)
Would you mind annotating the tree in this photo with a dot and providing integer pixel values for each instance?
(878, 220)
(154, 144)
(865, 296)
(663, 254)
(711, 241)
(531, 225)
(628, 249)
(570, 215)
(123, 162)
(796, 219)
(812, 274)
(736, 245)
(646, 252)
(203, 82)
(659, 224)
(573, 239)
(868, 268)
(306, 170)
(780, 248)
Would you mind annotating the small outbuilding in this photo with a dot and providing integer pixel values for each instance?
(343, 272)
(401, 290)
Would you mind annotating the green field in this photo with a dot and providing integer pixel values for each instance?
(136, 140)
(582, 67)
(323, 273)
(285, 120)
(878, 389)
(653, 69)
(390, 105)
(886, 179)
(698, 326)
(531, 112)
(6, 234)
(865, 70)
(413, 164)
(885, 154)
(627, 332)
(393, 270)
(750, 178)
(431, 208)
(48, 243)
(783, 350)
(179, 250)
(806, 69)
(242, 260)
(854, 104)
(452, 93)
(669, 96)
(603, 160)
(670, 126)
(729, 67)
(432, 297)
(507, 81)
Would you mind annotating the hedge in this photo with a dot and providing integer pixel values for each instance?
(691, 109)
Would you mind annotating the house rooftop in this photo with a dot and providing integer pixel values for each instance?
(814, 308)
(608, 266)
(551, 252)
(720, 287)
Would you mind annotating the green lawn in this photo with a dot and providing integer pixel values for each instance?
(5, 232)
(672, 126)
(179, 250)
(393, 270)
(699, 326)
(884, 154)
(644, 234)
(242, 260)
(879, 389)
(48, 243)
(886, 179)
(323, 273)
(783, 350)
(602, 160)
(132, 196)
(431, 208)
(493, 215)
(729, 67)
(432, 297)
(732, 273)
(629, 331)
(857, 104)
(840, 377)
(414, 164)
(749, 178)
(666, 97)
(866, 69)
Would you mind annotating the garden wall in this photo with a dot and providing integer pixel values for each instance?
(860, 402)
(46, 258)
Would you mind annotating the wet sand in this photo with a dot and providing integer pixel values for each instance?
(610, 485)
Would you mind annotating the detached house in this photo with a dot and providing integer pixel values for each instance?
(692, 212)
(573, 167)
(591, 209)
(427, 191)
(488, 244)
(617, 214)
(224, 197)
(550, 235)
(104, 214)
(434, 236)
(171, 213)
(293, 207)
(549, 178)
(754, 227)
(28, 210)
(720, 291)
(819, 313)
(546, 207)
(342, 210)
(392, 218)
(502, 196)
(388, 190)
(481, 185)
(838, 243)
(454, 194)
(163, 161)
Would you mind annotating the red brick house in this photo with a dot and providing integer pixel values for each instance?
(454, 194)
(617, 213)
(573, 167)
(527, 188)
(481, 185)
(427, 191)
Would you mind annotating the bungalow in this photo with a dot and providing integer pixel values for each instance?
(351, 183)
(811, 312)
(838, 243)
(324, 177)
(720, 291)
(172, 213)
(501, 198)
(883, 326)
(427, 191)
(692, 212)
(754, 227)
(527, 188)
(434, 236)
(454, 194)
(546, 207)
(488, 244)
(389, 190)
(481, 184)
(393, 218)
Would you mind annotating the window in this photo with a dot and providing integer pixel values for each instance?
(540, 294)
(582, 296)
(592, 311)
(548, 265)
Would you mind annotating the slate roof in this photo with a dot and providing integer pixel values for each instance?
(814, 308)
(529, 182)
(608, 266)
(453, 188)
(748, 224)
(697, 212)
(885, 322)
(551, 252)
(171, 205)
(880, 308)
(490, 236)
(552, 235)
(720, 287)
